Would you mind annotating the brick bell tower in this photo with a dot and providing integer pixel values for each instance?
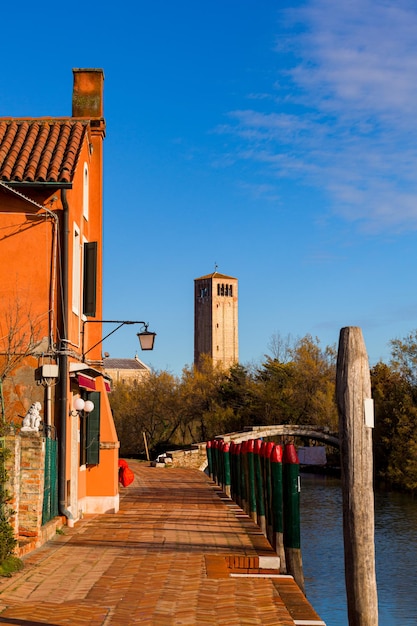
(216, 319)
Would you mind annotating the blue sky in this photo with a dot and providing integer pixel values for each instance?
(278, 140)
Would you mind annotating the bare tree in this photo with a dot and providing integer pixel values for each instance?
(19, 338)
(281, 347)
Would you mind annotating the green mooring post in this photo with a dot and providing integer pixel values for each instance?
(268, 495)
(237, 477)
(234, 485)
(214, 458)
(291, 493)
(220, 462)
(226, 469)
(209, 453)
(260, 496)
(277, 506)
(244, 477)
(232, 468)
(251, 479)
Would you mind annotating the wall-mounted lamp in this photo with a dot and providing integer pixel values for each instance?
(146, 338)
(80, 405)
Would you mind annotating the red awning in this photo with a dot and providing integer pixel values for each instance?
(86, 382)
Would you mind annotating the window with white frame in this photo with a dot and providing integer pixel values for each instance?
(86, 194)
(76, 270)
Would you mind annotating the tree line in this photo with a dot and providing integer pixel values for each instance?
(294, 384)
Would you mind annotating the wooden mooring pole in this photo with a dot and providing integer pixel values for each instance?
(291, 502)
(353, 391)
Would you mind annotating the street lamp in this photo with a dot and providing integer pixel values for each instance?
(146, 337)
(80, 405)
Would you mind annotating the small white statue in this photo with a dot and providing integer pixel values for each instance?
(32, 419)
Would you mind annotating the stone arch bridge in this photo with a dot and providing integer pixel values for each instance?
(195, 457)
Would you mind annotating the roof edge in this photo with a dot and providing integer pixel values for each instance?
(215, 275)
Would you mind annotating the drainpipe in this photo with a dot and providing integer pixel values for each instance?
(64, 369)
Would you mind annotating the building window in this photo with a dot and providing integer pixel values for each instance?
(86, 194)
(76, 270)
(230, 290)
(90, 279)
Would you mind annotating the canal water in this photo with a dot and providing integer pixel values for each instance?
(322, 550)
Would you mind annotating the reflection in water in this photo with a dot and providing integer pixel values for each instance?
(322, 549)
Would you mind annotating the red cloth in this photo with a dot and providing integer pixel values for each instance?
(126, 476)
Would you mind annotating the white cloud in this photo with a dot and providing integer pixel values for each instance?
(344, 116)
(359, 53)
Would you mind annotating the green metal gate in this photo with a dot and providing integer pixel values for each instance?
(50, 491)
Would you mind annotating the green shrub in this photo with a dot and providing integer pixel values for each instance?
(7, 538)
(10, 565)
(8, 562)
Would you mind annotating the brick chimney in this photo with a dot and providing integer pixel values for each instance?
(87, 94)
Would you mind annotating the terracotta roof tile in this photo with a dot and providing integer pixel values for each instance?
(40, 150)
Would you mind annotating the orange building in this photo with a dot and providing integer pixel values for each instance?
(51, 243)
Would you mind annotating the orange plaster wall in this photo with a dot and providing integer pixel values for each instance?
(100, 480)
(27, 268)
(90, 230)
(25, 271)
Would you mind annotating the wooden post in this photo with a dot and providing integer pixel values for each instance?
(260, 495)
(209, 453)
(237, 474)
(353, 391)
(226, 465)
(291, 502)
(146, 446)
(250, 446)
(277, 506)
(242, 476)
(268, 496)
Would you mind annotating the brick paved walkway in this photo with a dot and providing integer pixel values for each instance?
(177, 553)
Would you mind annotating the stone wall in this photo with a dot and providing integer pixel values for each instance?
(25, 466)
(192, 458)
(32, 469)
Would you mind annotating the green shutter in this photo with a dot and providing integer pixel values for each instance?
(90, 279)
(50, 493)
(92, 442)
